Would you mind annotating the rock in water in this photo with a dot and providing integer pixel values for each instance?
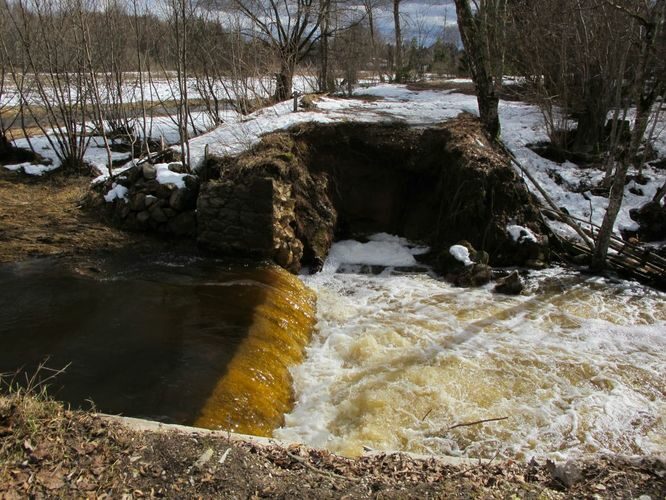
(474, 275)
(510, 285)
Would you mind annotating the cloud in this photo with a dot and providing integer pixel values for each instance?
(421, 20)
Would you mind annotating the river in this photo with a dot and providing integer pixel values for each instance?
(394, 358)
(575, 365)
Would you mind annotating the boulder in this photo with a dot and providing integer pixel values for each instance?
(149, 171)
(123, 210)
(181, 199)
(452, 259)
(652, 220)
(510, 285)
(464, 265)
(474, 275)
(184, 224)
(133, 174)
(177, 167)
(143, 217)
(148, 186)
(164, 190)
(157, 214)
(528, 248)
(150, 199)
(137, 201)
(191, 183)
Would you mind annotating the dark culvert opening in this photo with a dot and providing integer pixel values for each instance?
(296, 192)
(379, 179)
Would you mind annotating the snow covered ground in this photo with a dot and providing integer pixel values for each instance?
(522, 124)
(164, 88)
(160, 127)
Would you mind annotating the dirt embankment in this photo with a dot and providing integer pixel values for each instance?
(47, 451)
(43, 217)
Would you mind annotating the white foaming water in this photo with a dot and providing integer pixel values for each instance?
(578, 365)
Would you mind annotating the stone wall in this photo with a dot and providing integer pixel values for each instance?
(269, 204)
(253, 216)
(137, 200)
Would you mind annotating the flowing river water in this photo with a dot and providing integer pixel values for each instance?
(575, 365)
(393, 359)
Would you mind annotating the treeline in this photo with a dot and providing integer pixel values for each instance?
(98, 66)
(595, 67)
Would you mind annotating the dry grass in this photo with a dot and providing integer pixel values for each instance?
(42, 216)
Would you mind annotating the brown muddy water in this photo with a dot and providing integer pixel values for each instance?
(176, 340)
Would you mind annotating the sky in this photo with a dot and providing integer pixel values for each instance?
(423, 20)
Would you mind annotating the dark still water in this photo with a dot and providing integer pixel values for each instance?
(160, 340)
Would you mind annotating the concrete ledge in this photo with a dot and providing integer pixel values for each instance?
(143, 425)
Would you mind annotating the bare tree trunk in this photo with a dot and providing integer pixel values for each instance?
(369, 10)
(325, 82)
(398, 42)
(474, 36)
(285, 78)
(93, 88)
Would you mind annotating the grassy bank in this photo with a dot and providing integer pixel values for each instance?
(42, 216)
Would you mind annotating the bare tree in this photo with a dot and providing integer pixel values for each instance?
(51, 44)
(290, 29)
(483, 32)
(370, 6)
(646, 87)
(397, 52)
(6, 99)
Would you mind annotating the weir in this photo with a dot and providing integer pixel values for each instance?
(185, 341)
(255, 392)
(398, 358)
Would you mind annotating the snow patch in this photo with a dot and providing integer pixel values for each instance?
(520, 234)
(631, 227)
(166, 176)
(461, 254)
(117, 191)
(30, 169)
(382, 250)
(391, 238)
